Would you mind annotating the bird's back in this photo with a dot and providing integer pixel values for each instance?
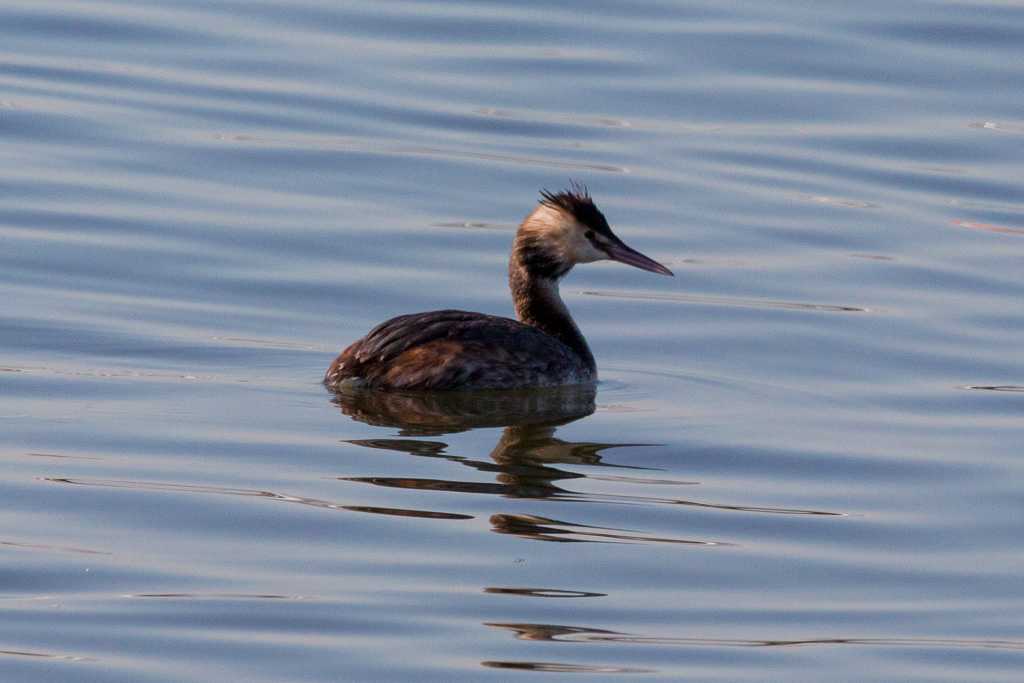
(441, 350)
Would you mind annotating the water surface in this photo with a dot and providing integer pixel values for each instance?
(803, 459)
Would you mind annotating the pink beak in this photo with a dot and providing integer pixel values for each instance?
(618, 251)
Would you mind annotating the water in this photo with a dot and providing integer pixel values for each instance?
(802, 462)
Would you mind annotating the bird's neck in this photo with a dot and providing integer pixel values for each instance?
(539, 305)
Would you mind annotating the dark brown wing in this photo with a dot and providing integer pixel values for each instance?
(453, 350)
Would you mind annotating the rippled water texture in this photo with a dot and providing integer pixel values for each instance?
(803, 461)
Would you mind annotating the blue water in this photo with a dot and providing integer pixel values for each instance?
(802, 463)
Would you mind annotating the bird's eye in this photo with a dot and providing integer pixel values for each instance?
(589, 234)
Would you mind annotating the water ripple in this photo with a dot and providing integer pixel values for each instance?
(368, 146)
(988, 227)
(562, 667)
(1013, 388)
(55, 548)
(254, 493)
(727, 301)
(545, 529)
(582, 634)
(47, 655)
(542, 592)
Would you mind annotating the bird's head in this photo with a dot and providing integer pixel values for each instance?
(567, 228)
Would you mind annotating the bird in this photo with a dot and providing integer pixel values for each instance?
(462, 350)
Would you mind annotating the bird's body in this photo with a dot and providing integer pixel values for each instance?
(456, 349)
(444, 350)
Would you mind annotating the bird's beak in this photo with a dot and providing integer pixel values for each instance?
(618, 251)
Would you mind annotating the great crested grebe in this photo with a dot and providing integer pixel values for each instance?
(443, 350)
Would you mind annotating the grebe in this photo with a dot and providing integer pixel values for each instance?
(442, 350)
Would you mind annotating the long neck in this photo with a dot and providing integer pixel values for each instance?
(539, 305)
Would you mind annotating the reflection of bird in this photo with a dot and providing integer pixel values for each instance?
(526, 462)
(423, 413)
(523, 459)
(462, 350)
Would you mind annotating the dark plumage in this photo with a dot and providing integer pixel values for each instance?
(452, 349)
(462, 350)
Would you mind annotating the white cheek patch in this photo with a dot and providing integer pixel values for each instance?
(585, 252)
(563, 235)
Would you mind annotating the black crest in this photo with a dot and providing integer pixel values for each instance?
(576, 201)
